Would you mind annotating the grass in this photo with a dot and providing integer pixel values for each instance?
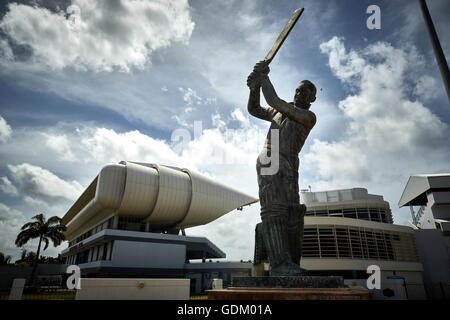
(68, 295)
(199, 297)
(65, 295)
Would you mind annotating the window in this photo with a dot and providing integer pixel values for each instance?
(327, 242)
(97, 249)
(350, 213)
(374, 214)
(357, 243)
(363, 213)
(105, 251)
(131, 224)
(343, 243)
(110, 250)
(335, 213)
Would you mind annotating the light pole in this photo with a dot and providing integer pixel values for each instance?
(439, 54)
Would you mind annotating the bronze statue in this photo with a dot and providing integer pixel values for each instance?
(281, 230)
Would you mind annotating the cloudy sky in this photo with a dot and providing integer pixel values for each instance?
(88, 82)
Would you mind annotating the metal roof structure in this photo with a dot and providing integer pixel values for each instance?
(415, 192)
(196, 247)
(161, 195)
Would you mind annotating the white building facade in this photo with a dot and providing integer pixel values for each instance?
(428, 197)
(346, 231)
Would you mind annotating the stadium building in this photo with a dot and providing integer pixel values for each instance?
(131, 221)
(428, 197)
(348, 230)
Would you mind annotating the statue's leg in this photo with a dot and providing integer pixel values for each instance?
(260, 255)
(274, 231)
(295, 231)
(274, 202)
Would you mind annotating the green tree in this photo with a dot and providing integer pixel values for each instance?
(27, 258)
(45, 230)
(4, 259)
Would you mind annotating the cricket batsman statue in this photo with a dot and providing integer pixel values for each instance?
(280, 234)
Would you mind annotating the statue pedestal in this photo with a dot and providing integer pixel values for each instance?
(289, 288)
(289, 282)
(240, 293)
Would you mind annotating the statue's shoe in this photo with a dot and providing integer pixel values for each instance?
(287, 269)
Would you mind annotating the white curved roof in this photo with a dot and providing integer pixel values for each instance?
(164, 196)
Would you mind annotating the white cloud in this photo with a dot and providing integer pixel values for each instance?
(345, 65)
(427, 88)
(5, 50)
(11, 215)
(381, 114)
(11, 221)
(338, 161)
(101, 36)
(214, 65)
(190, 96)
(5, 130)
(388, 136)
(7, 187)
(44, 185)
(60, 145)
(238, 115)
(105, 145)
(36, 203)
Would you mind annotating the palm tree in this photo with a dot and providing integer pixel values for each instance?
(50, 230)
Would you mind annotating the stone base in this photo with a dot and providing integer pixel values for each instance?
(234, 293)
(289, 282)
(133, 289)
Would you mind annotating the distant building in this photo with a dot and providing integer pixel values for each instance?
(428, 196)
(348, 230)
(131, 221)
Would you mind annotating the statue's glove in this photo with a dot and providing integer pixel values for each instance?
(254, 80)
(262, 67)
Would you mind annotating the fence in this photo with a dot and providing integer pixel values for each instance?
(42, 293)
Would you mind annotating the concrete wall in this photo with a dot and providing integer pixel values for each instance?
(9, 273)
(133, 289)
(148, 255)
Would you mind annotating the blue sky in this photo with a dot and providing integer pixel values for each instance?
(115, 81)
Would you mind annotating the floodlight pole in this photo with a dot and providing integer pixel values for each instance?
(439, 54)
